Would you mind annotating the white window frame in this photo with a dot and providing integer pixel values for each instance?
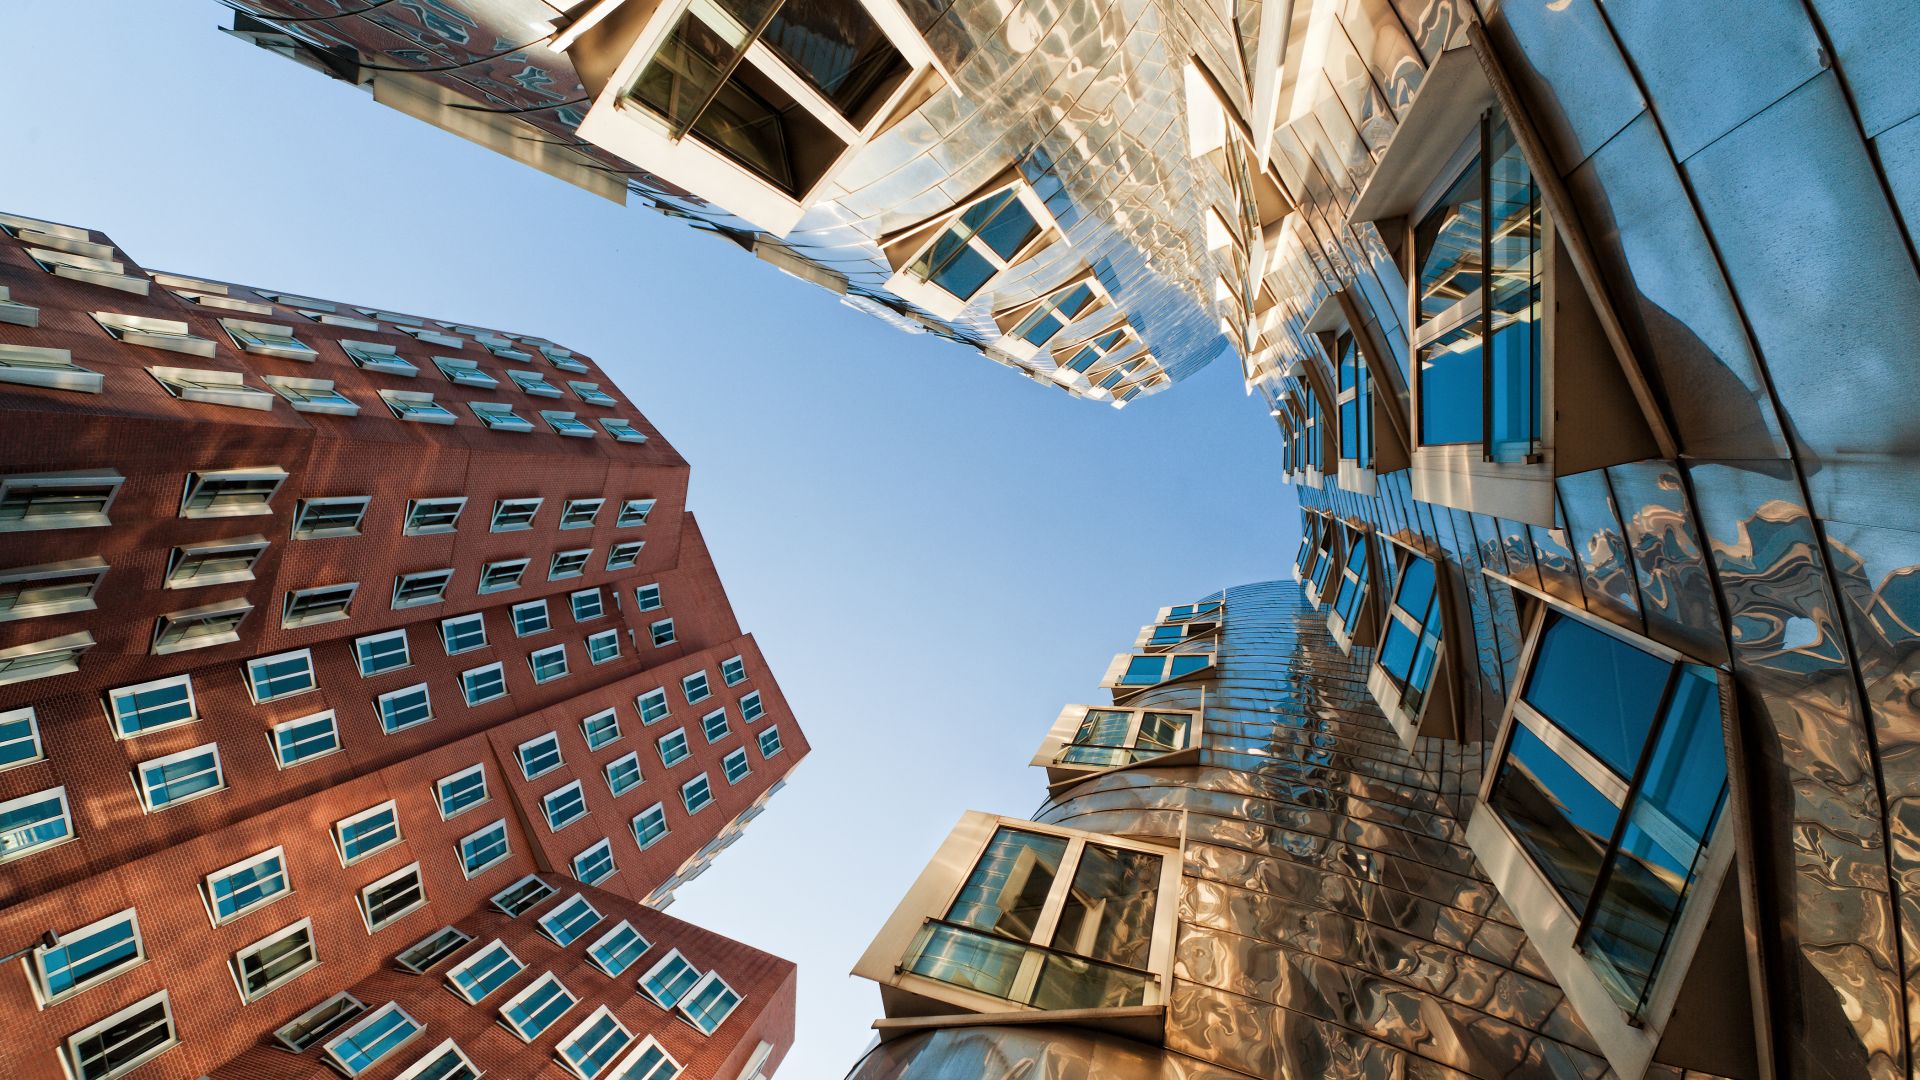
(657, 810)
(527, 993)
(535, 658)
(625, 554)
(665, 962)
(685, 787)
(440, 790)
(489, 572)
(380, 707)
(634, 513)
(655, 629)
(580, 1032)
(57, 794)
(577, 901)
(261, 504)
(367, 890)
(36, 959)
(68, 647)
(641, 598)
(559, 755)
(237, 963)
(506, 848)
(273, 738)
(465, 687)
(916, 241)
(415, 507)
(69, 1053)
(433, 1058)
(547, 803)
(547, 892)
(512, 508)
(596, 653)
(474, 960)
(622, 430)
(752, 707)
(116, 696)
(598, 845)
(657, 695)
(253, 685)
(579, 556)
(706, 687)
(387, 809)
(631, 757)
(312, 395)
(686, 746)
(31, 738)
(599, 603)
(360, 655)
(307, 505)
(211, 880)
(189, 555)
(146, 793)
(333, 609)
(546, 618)
(778, 745)
(417, 407)
(706, 725)
(587, 728)
(576, 508)
(103, 484)
(403, 582)
(605, 943)
(366, 1020)
(287, 1043)
(695, 991)
(69, 570)
(454, 623)
(170, 634)
(739, 664)
(465, 372)
(500, 417)
(433, 956)
(746, 766)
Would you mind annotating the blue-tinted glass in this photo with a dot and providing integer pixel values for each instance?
(1558, 817)
(1447, 246)
(1187, 665)
(1144, 671)
(245, 888)
(1009, 884)
(1598, 689)
(1516, 373)
(964, 273)
(177, 780)
(80, 959)
(32, 824)
(1451, 394)
(1396, 653)
(1416, 587)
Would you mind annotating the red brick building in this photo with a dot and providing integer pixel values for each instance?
(365, 689)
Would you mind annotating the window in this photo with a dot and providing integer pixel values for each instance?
(694, 686)
(271, 678)
(601, 728)
(33, 823)
(463, 633)
(566, 423)
(57, 500)
(195, 565)
(1411, 648)
(378, 653)
(595, 864)
(484, 972)
(669, 980)
(622, 430)
(592, 394)
(534, 1009)
(122, 1042)
(592, 1046)
(673, 747)
(499, 417)
(443, 1062)
(1355, 401)
(579, 513)
(42, 659)
(1135, 672)
(302, 740)
(381, 358)
(376, 828)
(623, 773)
(319, 518)
(650, 825)
(539, 756)
(624, 554)
(951, 260)
(272, 962)
(392, 897)
(715, 725)
(709, 1003)
(517, 898)
(19, 738)
(267, 339)
(1056, 311)
(733, 671)
(461, 791)
(319, 1022)
(501, 576)
(422, 955)
(563, 360)
(616, 951)
(662, 633)
(483, 684)
(603, 646)
(246, 886)
(588, 604)
(504, 349)
(770, 742)
(182, 777)
(312, 395)
(29, 365)
(569, 920)
(420, 587)
(481, 851)
(563, 806)
(322, 604)
(530, 618)
(211, 387)
(751, 708)
(735, 764)
(380, 1033)
(1350, 601)
(648, 1062)
(652, 706)
(533, 383)
(634, 512)
(549, 663)
(568, 564)
(512, 515)
(85, 958)
(230, 493)
(409, 706)
(1086, 356)
(647, 597)
(50, 589)
(696, 793)
(1108, 738)
(426, 517)
(464, 372)
(152, 706)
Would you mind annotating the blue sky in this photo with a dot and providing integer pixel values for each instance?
(935, 554)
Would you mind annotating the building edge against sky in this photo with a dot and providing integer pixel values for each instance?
(366, 690)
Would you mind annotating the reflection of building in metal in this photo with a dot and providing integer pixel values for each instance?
(365, 692)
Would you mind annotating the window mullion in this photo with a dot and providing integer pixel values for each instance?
(1049, 921)
(1639, 777)
(1486, 287)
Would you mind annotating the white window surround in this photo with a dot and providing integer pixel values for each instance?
(460, 781)
(54, 796)
(301, 929)
(214, 563)
(205, 492)
(326, 514)
(280, 748)
(30, 502)
(123, 704)
(416, 406)
(499, 417)
(547, 989)
(319, 1022)
(209, 885)
(267, 339)
(209, 387)
(430, 517)
(148, 793)
(385, 815)
(374, 356)
(905, 247)
(43, 659)
(70, 1050)
(434, 1062)
(255, 668)
(22, 747)
(388, 917)
(169, 334)
(39, 974)
(319, 604)
(33, 365)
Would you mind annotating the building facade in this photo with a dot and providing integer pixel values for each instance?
(366, 690)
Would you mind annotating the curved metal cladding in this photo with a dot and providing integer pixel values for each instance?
(1332, 921)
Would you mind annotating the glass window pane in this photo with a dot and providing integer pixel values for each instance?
(1009, 884)
(1555, 814)
(1109, 910)
(1597, 688)
(838, 48)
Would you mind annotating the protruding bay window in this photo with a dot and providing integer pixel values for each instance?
(1089, 739)
(943, 264)
(1411, 676)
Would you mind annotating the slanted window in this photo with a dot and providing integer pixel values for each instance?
(1034, 324)
(178, 778)
(32, 365)
(1412, 647)
(499, 417)
(33, 823)
(421, 587)
(588, 604)
(312, 395)
(319, 1022)
(501, 576)
(947, 262)
(1349, 602)
(272, 962)
(618, 948)
(622, 430)
(409, 706)
(603, 646)
(246, 886)
(673, 747)
(85, 958)
(230, 492)
(534, 1009)
(579, 513)
(319, 518)
(463, 633)
(733, 671)
(321, 604)
(512, 515)
(592, 394)
(378, 653)
(54, 656)
(372, 1038)
(601, 729)
(210, 387)
(122, 1042)
(647, 597)
(465, 372)
(298, 741)
(484, 972)
(539, 756)
(444, 1062)
(648, 1062)
(1091, 355)
(20, 738)
(624, 554)
(566, 423)
(195, 565)
(709, 1003)
(1355, 389)
(623, 773)
(595, 864)
(634, 512)
(152, 706)
(751, 707)
(589, 1048)
(1133, 672)
(695, 688)
(426, 517)
(770, 742)
(1107, 738)
(533, 384)
(374, 356)
(417, 407)
(696, 794)
(652, 705)
(483, 684)
(392, 897)
(521, 896)
(735, 765)
(563, 360)
(568, 564)
(563, 806)
(267, 339)
(485, 849)
(670, 979)
(57, 500)
(549, 663)
(372, 830)
(462, 791)
(530, 618)
(715, 725)
(650, 825)
(422, 955)
(504, 349)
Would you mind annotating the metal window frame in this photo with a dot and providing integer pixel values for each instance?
(520, 754)
(746, 766)
(32, 365)
(706, 687)
(657, 810)
(626, 553)
(580, 1032)
(74, 645)
(199, 479)
(707, 980)
(649, 1043)
(145, 792)
(594, 641)
(599, 599)
(55, 794)
(500, 417)
(587, 728)
(547, 891)
(578, 556)
(237, 964)
(634, 508)
(92, 566)
(437, 1055)
(366, 892)
(533, 383)
(488, 586)
(440, 786)
(591, 393)
(18, 483)
(601, 844)
(286, 1044)
(739, 663)
(209, 387)
(511, 508)
(526, 994)
(567, 424)
(666, 962)
(778, 745)
(759, 706)
(36, 959)
(465, 372)
(113, 697)
(390, 809)
(706, 725)
(546, 617)
(253, 683)
(291, 617)
(366, 1020)
(474, 960)
(640, 705)
(686, 746)
(273, 741)
(535, 658)
(547, 802)
(573, 901)
(261, 338)
(403, 582)
(32, 737)
(572, 507)
(376, 356)
(312, 395)
(453, 623)
(212, 878)
(622, 430)
(417, 407)
(703, 780)
(166, 626)
(605, 942)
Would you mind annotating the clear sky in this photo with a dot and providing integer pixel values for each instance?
(935, 554)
